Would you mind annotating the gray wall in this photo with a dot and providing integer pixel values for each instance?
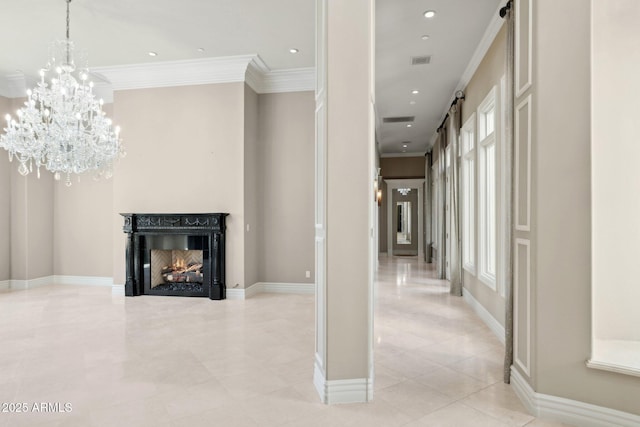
(286, 187)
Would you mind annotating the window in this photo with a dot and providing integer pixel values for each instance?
(469, 194)
(487, 185)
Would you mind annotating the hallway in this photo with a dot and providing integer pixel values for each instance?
(189, 362)
(436, 362)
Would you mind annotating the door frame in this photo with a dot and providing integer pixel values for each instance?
(393, 184)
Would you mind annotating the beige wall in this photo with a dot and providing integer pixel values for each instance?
(83, 224)
(491, 69)
(286, 187)
(246, 149)
(488, 75)
(31, 225)
(562, 204)
(31, 221)
(402, 167)
(251, 187)
(185, 150)
(5, 204)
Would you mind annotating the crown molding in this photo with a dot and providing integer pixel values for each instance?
(176, 73)
(292, 80)
(244, 68)
(254, 75)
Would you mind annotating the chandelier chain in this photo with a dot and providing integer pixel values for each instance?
(68, 40)
(68, 20)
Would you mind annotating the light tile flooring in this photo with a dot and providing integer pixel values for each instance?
(181, 362)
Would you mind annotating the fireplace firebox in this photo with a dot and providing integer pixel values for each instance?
(175, 254)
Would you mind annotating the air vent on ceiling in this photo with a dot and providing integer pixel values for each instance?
(421, 60)
(398, 119)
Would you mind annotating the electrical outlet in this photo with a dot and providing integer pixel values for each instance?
(307, 274)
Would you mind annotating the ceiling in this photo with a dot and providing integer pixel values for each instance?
(118, 32)
(454, 34)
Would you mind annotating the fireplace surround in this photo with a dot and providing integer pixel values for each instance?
(175, 254)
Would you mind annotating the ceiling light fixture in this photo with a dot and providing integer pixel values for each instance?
(430, 14)
(293, 50)
(409, 126)
(200, 49)
(424, 37)
(62, 126)
(151, 53)
(415, 91)
(412, 102)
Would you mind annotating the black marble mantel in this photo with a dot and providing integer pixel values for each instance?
(208, 227)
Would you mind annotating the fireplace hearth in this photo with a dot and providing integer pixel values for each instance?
(175, 254)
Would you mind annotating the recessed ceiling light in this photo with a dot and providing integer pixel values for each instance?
(200, 49)
(424, 37)
(430, 14)
(412, 102)
(404, 145)
(409, 126)
(151, 53)
(293, 50)
(415, 92)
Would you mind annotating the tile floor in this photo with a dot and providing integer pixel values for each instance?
(181, 362)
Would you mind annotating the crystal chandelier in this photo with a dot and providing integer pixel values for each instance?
(62, 126)
(404, 191)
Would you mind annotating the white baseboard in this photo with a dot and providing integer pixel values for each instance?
(273, 288)
(117, 289)
(357, 390)
(30, 283)
(236, 293)
(569, 411)
(486, 317)
(56, 280)
(4, 285)
(83, 280)
(287, 288)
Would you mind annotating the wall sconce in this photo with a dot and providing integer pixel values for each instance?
(379, 196)
(375, 190)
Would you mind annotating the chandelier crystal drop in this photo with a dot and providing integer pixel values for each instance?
(62, 126)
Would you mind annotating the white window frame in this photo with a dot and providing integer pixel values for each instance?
(468, 147)
(488, 200)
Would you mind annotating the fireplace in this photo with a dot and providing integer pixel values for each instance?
(175, 255)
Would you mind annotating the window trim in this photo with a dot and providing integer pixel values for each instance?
(468, 154)
(484, 142)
